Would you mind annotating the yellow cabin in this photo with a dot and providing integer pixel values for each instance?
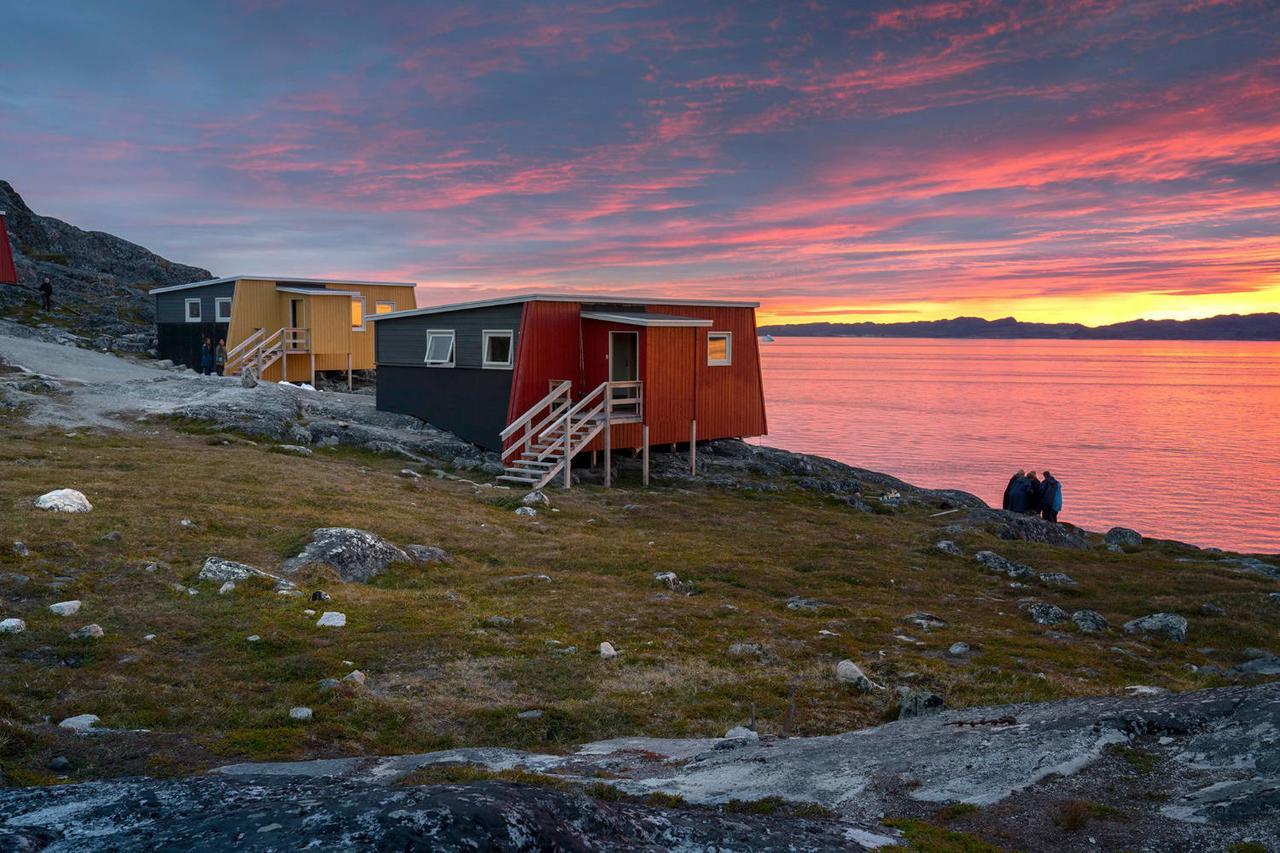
(280, 328)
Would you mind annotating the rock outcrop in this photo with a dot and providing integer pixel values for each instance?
(100, 282)
(356, 555)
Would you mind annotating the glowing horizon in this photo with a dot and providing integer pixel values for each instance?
(1088, 161)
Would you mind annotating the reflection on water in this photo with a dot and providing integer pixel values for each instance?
(1178, 439)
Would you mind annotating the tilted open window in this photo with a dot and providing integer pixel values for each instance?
(498, 351)
(222, 309)
(439, 348)
(719, 348)
(357, 313)
(193, 310)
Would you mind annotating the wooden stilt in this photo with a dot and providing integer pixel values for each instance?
(693, 448)
(608, 452)
(349, 383)
(313, 369)
(644, 453)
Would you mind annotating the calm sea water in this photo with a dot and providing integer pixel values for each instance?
(1178, 439)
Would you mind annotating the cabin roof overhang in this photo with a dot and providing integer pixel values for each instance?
(585, 298)
(317, 291)
(640, 318)
(319, 282)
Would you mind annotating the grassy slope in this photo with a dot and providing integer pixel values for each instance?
(439, 676)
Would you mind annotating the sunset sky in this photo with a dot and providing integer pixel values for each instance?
(1058, 161)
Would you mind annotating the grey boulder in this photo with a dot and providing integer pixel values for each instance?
(1168, 625)
(356, 555)
(1122, 537)
(1090, 621)
(996, 563)
(1043, 613)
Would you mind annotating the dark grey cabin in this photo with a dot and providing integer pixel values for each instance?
(187, 314)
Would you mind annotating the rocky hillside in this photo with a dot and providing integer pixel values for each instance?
(100, 281)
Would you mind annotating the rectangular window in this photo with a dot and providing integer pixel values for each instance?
(357, 313)
(719, 348)
(222, 309)
(193, 310)
(497, 349)
(439, 348)
(384, 307)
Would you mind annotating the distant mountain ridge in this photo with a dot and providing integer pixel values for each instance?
(1225, 327)
(100, 281)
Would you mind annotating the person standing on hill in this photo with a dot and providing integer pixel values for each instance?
(46, 294)
(1009, 488)
(1035, 491)
(1050, 498)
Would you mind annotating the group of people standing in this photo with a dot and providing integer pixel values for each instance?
(213, 359)
(1028, 494)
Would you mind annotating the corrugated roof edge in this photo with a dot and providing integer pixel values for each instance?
(602, 298)
(278, 280)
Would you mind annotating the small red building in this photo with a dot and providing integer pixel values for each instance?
(545, 377)
(8, 272)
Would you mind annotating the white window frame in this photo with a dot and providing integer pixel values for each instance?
(361, 327)
(453, 348)
(511, 348)
(217, 309)
(728, 349)
(186, 310)
(382, 302)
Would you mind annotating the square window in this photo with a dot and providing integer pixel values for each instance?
(719, 348)
(357, 313)
(222, 309)
(384, 307)
(497, 348)
(194, 310)
(439, 348)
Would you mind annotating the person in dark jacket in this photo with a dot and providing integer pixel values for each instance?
(1050, 498)
(1019, 494)
(206, 358)
(220, 357)
(46, 294)
(1035, 490)
(1007, 489)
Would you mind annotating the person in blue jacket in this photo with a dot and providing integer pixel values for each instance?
(1009, 488)
(1050, 498)
(206, 358)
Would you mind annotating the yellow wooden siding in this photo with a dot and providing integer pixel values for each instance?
(254, 305)
(362, 342)
(329, 321)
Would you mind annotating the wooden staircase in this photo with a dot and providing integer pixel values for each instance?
(260, 350)
(545, 439)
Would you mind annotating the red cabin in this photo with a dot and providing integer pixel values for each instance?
(544, 378)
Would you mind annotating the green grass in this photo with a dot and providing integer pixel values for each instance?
(440, 676)
(927, 838)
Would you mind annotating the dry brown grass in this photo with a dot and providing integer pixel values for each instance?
(439, 675)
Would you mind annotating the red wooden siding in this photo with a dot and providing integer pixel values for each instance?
(8, 272)
(548, 348)
(728, 401)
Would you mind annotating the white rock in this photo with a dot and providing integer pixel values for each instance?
(12, 626)
(825, 633)
(354, 677)
(296, 449)
(219, 569)
(300, 713)
(80, 723)
(64, 500)
(88, 632)
(187, 523)
(66, 608)
(308, 612)
(958, 649)
(227, 587)
(536, 498)
(331, 619)
(252, 638)
(148, 637)
(848, 672)
(607, 651)
(410, 473)
(526, 511)
(742, 733)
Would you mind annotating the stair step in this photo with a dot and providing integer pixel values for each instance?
(514, 479)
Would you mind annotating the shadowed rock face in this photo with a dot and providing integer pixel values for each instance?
(1214, 754)
(288, 814)
(104, 280)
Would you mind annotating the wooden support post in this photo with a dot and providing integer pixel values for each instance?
(608, 450)
(644, 454)
(568, 451)
(313, 369)
(349, 384)
(693, 448)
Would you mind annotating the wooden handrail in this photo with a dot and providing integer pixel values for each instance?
(257, 333)
(562, 388)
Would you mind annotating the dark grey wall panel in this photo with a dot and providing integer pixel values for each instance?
(403, 340)
(181, 342)
(171, 307)
(470, 403)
